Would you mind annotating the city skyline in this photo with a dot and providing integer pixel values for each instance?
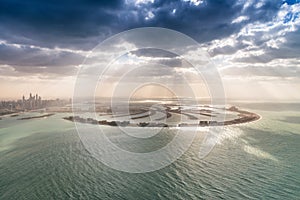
(33, 102)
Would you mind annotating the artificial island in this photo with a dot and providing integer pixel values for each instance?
(166, 115)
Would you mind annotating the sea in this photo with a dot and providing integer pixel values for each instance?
(44, 158)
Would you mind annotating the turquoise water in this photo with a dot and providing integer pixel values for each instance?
(44, 159)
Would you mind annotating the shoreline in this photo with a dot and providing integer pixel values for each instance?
(36, 117)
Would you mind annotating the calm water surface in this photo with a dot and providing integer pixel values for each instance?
(44, 159)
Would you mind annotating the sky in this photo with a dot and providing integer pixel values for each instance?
(254, 44)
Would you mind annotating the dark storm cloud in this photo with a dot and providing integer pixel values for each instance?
(158, 56)
(151, 52)
(56, 23)
(82, 24)
(290, 49)
(211, 19)
(31, 56)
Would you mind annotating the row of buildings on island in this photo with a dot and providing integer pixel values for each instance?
(140, 124)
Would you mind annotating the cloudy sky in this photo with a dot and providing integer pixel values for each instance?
(255, 44)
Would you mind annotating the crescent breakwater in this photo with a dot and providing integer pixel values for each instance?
(242, 116)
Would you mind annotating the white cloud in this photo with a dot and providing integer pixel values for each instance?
(259, 5)
(245, 3)
(195, 2)
(258, 41)
(139, 2)
(150, 15)
(239, 19)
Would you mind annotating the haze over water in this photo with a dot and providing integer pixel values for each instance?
(44, 159)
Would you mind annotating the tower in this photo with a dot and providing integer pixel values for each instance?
(23, 102)
(40, 101)
(30, 101)
(36, 103)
